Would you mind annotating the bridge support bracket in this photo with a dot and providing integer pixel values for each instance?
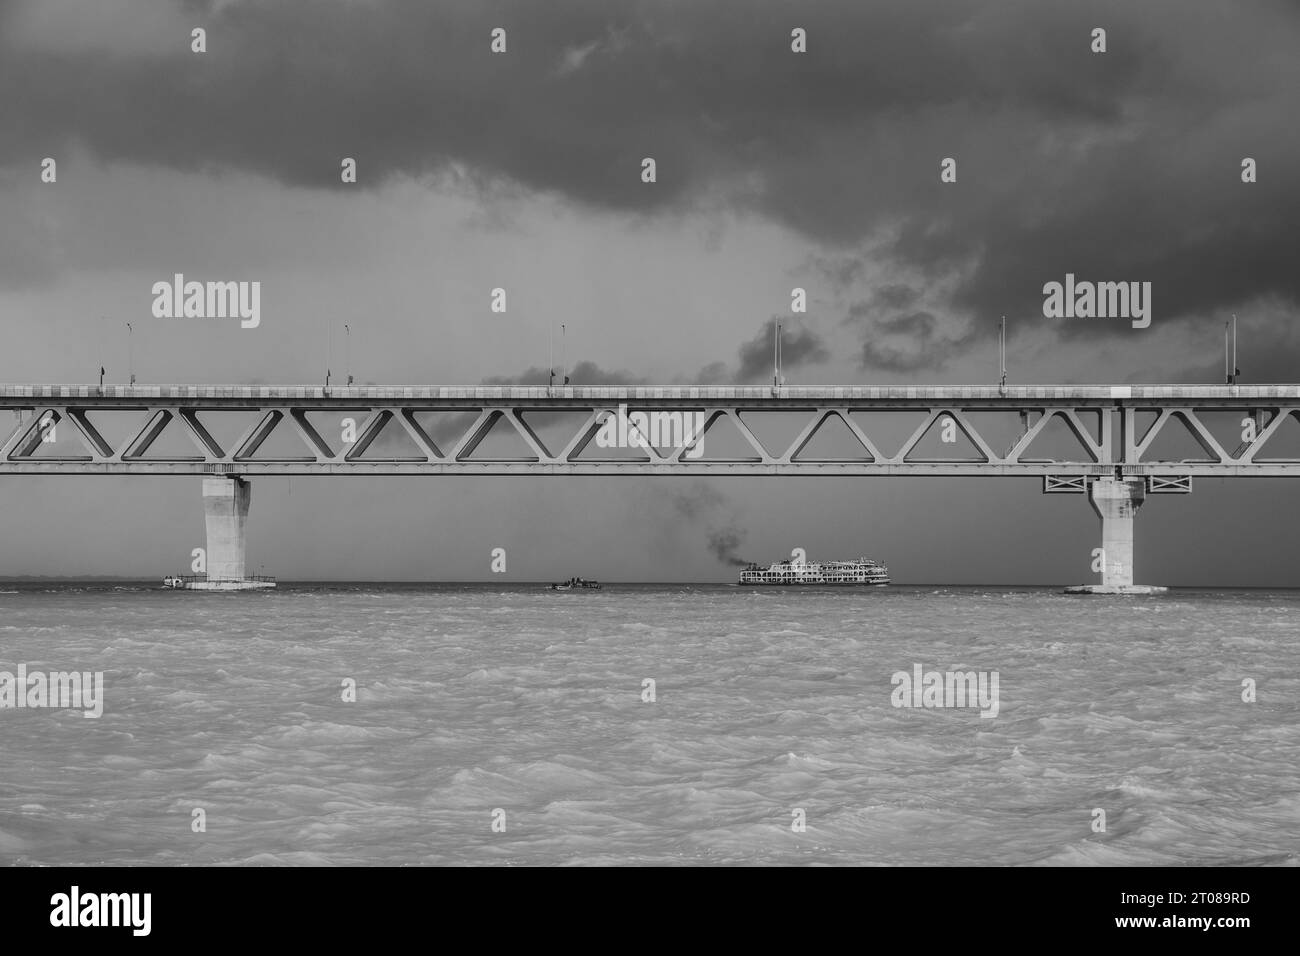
(1065, 484)
(1169, 484)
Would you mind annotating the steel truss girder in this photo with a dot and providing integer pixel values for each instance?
(1113, 448)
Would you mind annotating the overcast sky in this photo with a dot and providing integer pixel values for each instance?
(522, 170)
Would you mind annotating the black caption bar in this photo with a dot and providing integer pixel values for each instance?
(144, 906)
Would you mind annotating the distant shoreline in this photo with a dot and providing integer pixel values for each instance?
(339, 582)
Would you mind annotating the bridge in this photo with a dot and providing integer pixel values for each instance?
(230, 434)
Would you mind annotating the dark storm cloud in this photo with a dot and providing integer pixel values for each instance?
(1268, 352)
(841, 271)
(910, 342)
(799, 347)
(1116, 166)
(905, 341)
(583, 373)
(715, 373)
(895, 296)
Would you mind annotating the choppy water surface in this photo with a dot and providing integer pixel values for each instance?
(477, 698)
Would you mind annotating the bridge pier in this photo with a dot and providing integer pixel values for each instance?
(225, 513)
(1116, 501)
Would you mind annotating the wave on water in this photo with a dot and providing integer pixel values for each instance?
(468, 700)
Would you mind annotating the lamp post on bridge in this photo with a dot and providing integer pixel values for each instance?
(328, 355)
(1002, 356)
(347, 352)
(778, 380)
(1230, 364)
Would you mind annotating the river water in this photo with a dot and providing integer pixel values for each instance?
(500, 725)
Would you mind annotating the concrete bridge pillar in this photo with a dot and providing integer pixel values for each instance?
(225, 511)
(1116, 501)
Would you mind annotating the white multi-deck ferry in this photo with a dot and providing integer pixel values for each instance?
(798, 571)
(201, 582)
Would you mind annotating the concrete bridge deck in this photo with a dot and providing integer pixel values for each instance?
(1226, 395)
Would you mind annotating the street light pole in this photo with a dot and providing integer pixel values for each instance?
(347, 352)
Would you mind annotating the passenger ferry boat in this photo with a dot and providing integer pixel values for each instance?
(201, 582)
(861, 572)
(576, 584)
